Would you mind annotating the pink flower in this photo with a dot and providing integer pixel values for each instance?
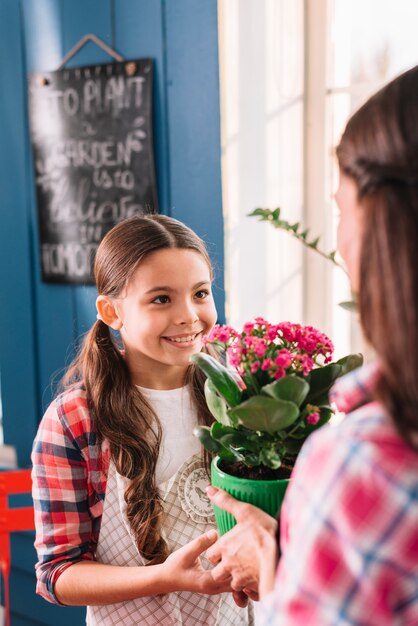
(279, 373)
(313, 418)
(249, 341)
(272, 332)
(288, 330)
(306, 363)
(221, 333)
(248, 328)
(255, 366)
(260, 348)
(266, 364)
(283, 358)
(234, 354)
(260, 321)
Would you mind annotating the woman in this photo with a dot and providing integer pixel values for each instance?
(349, 523)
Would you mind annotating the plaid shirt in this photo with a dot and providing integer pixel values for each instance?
(69, 485)
(350, 522)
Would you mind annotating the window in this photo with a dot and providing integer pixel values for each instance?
(292, 71)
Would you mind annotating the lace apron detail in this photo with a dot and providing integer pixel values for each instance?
(188, 514)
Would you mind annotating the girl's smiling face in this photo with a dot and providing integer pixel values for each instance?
(165, 310)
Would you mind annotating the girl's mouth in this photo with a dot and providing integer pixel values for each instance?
(183, 340)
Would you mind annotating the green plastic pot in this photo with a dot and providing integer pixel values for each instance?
(265, 494)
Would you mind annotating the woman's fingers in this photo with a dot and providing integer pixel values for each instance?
(226, 502)
(242, 511)
(240, 598)
(253, 595)
(220, 573)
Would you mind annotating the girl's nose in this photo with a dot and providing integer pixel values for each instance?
(187, 314)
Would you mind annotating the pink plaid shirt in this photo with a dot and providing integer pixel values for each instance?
(349, 533)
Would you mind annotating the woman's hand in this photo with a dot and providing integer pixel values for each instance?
(183, 570)
(246, 555)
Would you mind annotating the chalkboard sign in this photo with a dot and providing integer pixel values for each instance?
(91, 131)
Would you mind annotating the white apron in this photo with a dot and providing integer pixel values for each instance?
(188, 515)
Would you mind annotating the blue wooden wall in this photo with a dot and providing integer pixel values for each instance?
(40, 323)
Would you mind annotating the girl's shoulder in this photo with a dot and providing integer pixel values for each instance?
(72, 409)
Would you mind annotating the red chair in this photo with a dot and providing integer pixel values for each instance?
(11, 520)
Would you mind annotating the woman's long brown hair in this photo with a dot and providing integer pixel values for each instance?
(121, 414)
(379, 150)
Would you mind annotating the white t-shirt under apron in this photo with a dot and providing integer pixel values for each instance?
(178, 419)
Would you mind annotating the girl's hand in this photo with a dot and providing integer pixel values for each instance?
(246, 555)
(185, 572)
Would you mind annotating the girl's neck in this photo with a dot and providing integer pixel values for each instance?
(164, 378)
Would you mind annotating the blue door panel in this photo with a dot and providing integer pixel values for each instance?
(193, 121)
(19, 388)
(40, 324)
(139, 32)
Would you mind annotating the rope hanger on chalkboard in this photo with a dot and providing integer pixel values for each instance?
(99, 42)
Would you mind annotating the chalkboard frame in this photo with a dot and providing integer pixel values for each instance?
(93, 152)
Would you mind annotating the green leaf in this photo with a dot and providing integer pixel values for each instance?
(215, 447)
(349, 305)
(350, 362)
(221, 378)
(270, 458)
(216, 403)
(229, 454)
(314, 244)
(291, 388)
(228, 438)
(252, 460)
(239, 439)
(295, 227)
(292, 446)
(263, 213)
(217, 431)
(265, 414)
(203, 434)
(321, 380)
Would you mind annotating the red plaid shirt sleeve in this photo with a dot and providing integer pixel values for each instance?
(69, 482)
(350, 524)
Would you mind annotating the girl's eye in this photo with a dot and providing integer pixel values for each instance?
(202, 294)
(161, 300)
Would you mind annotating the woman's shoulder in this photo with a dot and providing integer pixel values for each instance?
(364, 446)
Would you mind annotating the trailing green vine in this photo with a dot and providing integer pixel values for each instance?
(295, 230)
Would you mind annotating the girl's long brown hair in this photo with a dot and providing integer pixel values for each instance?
(122, 415)
(379, 150)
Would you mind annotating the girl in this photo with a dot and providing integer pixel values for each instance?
(349, 524)
(118, 479)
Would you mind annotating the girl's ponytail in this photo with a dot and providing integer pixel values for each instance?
(134, 442)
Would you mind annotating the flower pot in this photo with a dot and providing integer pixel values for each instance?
(264, 494)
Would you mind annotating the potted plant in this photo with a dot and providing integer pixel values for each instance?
(271, 397)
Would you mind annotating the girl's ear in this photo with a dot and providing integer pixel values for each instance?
(108, 312)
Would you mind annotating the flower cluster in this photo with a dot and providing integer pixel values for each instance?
(265, 352)
(276, 349)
